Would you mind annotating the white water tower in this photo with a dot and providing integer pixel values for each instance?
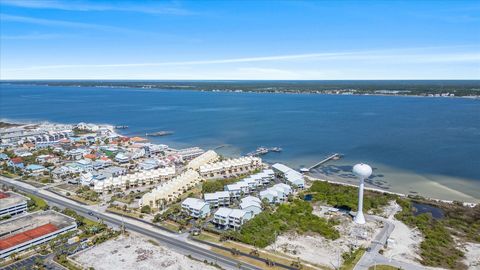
(363, 171)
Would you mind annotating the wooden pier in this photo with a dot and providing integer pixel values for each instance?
(334, 156)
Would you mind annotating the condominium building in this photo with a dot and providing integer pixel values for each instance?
(196, 208)
(216, 199)
(277, 193)
(231, 218)
(289, 175)
(131, 180)
(190, 153)
(12, 204)
(170, 190)
(251, 204)
(205, 158)
(27, 231)
(230, 168)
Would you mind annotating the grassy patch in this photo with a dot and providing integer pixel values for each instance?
(350, 259)
(438, 248)
(346, 197)
(36, 203)
(295, 216)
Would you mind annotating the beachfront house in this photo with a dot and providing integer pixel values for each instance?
(289, 175)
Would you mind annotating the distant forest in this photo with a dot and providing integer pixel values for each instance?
(391, 87)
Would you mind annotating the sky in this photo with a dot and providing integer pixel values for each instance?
(239, 40)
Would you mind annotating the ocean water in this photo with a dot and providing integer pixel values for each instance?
(428, 146)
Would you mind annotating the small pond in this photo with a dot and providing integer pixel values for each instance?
(308, 197)
(421, 208)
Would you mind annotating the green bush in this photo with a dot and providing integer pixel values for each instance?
(346, 197)
(296, 216)
(146, 209)
(438, 247)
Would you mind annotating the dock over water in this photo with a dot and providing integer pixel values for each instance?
(334, 156)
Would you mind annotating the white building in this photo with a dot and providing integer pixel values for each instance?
(12, 204)
(122, 158)
(231, 218)
(276, 194)
(196, 208)
(27, 231)
(251, 204)
(289, 175)
(205, 158)
(190, 153)
(169, 191)
(230, 168)
(216, 199)
(131, 180)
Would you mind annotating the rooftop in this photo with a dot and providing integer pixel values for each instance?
(9, 199)
(22, 224)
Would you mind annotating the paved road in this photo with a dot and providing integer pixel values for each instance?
(373, 257)
(177, 243)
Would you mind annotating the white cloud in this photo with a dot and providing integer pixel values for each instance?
(48, 22)
(403, 56)
(155, 7)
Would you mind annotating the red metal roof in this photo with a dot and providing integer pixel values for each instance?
(27, 236)
(17, 160)
(4, 195)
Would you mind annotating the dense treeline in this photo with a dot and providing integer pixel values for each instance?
(438, 247)
(346, 197)
(295, 216)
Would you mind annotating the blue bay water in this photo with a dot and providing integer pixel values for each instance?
(414, 143)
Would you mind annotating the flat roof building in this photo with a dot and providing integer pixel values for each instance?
(12, 204)
(23, 232)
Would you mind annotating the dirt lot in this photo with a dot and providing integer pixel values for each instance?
(318, 250)
(136, 252)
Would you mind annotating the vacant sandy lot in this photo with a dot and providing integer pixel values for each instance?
(318, 250)
(135, 252)
(472, 256)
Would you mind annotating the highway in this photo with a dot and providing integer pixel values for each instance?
(179, 244)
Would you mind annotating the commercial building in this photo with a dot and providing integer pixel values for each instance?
(12, 204)
(216, 199)
(196, 208)
(230, 168)
(169, 191)
(23, 232)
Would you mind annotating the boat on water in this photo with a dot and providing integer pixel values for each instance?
(159, 133)
(121, 127)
